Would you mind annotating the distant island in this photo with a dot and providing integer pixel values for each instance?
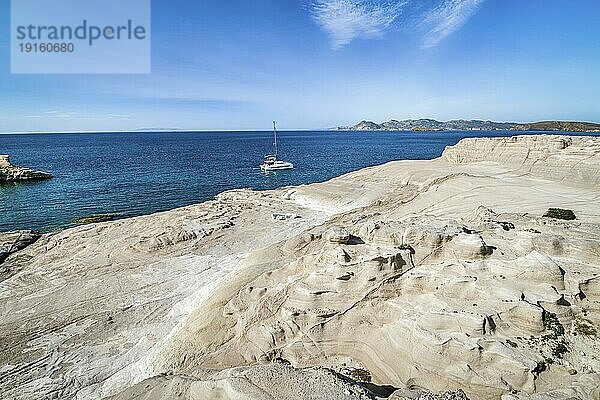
(427, 124)
(159, 129)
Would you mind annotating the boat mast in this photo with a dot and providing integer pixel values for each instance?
(275, 135)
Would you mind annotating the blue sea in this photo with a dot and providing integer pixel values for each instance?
(135, 173)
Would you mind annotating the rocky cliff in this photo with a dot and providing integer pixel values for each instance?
(412, 276)
(564, 158)
(12, 173)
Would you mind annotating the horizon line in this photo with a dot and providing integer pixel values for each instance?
(164, 130)
(158, 130)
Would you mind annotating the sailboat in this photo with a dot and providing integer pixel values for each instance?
(271, 162)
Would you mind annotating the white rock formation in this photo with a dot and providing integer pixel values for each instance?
(438, 275)
(12, 173)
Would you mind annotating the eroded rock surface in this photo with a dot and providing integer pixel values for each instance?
(270, 381)
(418, 277)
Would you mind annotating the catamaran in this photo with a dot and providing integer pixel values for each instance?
(271, 162)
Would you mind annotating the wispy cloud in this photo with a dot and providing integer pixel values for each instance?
(68, 116)
(346, 20)
(447, 18)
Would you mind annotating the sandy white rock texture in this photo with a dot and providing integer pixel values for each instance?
(397, 281)
(12, 173)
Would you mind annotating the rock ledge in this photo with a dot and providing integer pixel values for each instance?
(12, 173)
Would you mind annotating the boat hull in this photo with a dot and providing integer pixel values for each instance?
(277, 167)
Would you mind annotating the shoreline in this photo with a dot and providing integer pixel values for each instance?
(120, 211)
(384, 270)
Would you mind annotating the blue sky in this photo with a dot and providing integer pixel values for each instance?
(310, 64)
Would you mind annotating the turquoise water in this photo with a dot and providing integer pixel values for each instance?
(138, 173)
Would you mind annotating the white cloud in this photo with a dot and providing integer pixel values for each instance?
(447, 18)
(346, 20)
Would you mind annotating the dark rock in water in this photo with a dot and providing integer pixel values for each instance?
(12, 173)
(11, 242)
(92, 219)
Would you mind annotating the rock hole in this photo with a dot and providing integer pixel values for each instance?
(355, 240)
(563, 302)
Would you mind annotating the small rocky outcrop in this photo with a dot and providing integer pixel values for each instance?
(12, 173)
